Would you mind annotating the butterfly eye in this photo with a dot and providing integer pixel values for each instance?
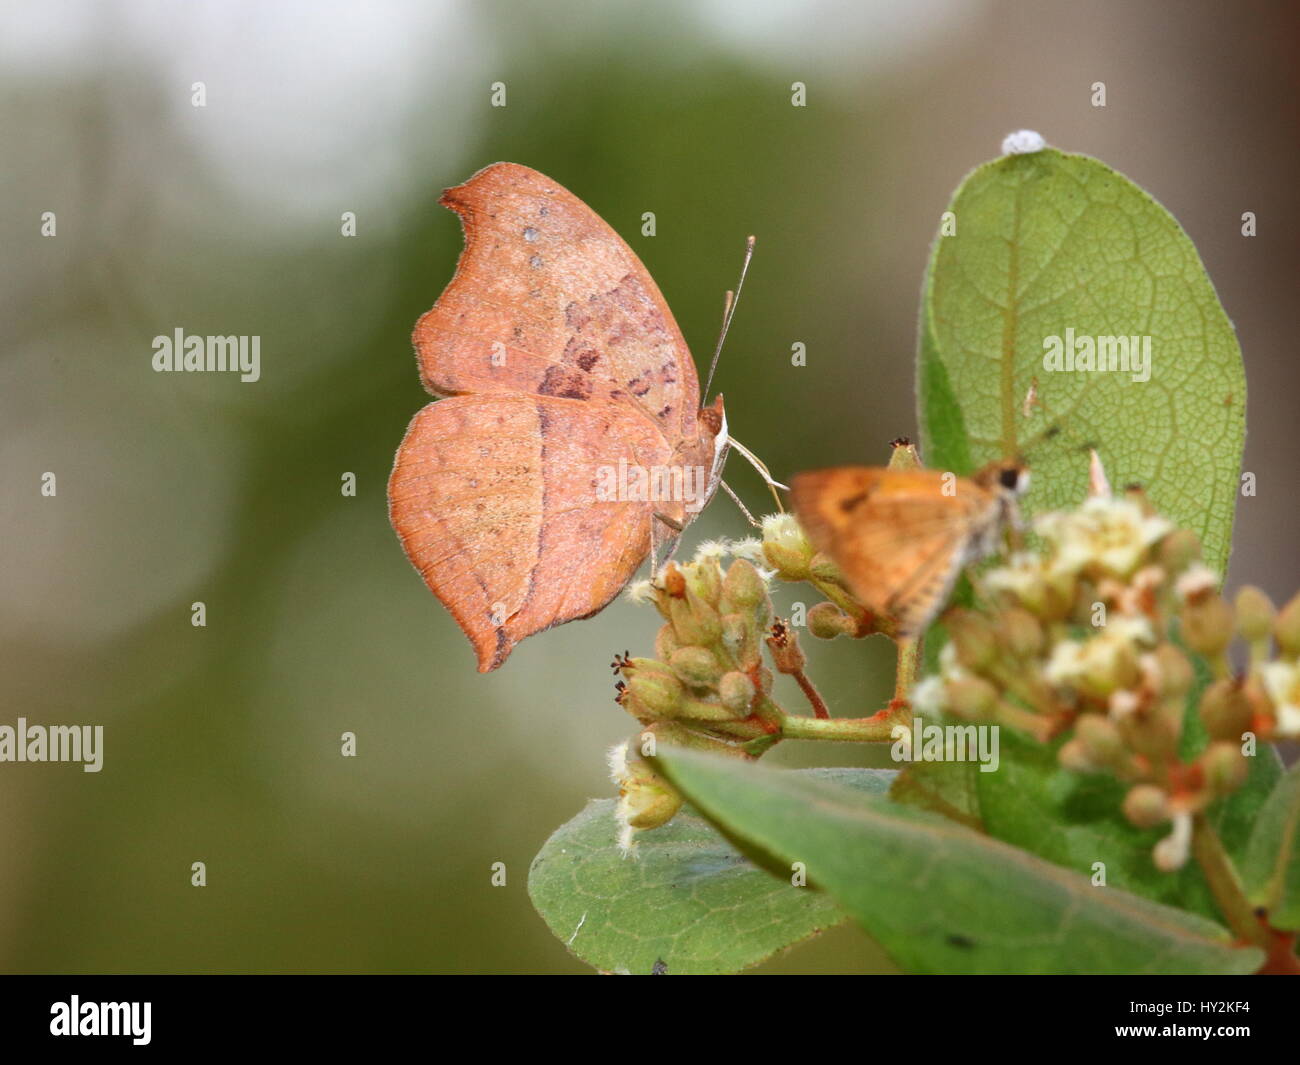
(1009, 477)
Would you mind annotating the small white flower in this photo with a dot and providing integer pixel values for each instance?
(641, 591)
(626, 840)
(929, 697)
(950, 667)
(1023, 142)
(1123, 703)
(616, 757)
(1021, 577)
(1131, 628)
(1097, 664)
(1172, 852)
(750, 549)
(1198, 580)
(1066, 665)
(783, 529)
(1282, 681)
(712, 549)
(1104, 535)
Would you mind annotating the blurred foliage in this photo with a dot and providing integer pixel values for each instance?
(222, 743)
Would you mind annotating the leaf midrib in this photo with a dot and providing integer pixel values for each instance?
(1010, 325)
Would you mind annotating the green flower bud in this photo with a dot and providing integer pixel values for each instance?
(1226, 709)
(1074, 755)
(736, 692)
(690, 709)
(653, 693)
(704, 579)
(632, 666)
(645, 799)
(1101, 739)
(1146, 806)
(1207, 625)
(740, 636)
(694, 621)
(826, 621)
(786, 548)
(904, 455)
(665, 643)
(1111, 665)
(696, 666)
(1286, 628)
(1254, 614)
(1020, 633)
(1152, 735)
(742, 587)
(972, 698)
(973, 638)
(1173, 672)
(821, 568)
(1178, 550)
(1224, 767)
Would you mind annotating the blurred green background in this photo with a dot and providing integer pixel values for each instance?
(222, 743)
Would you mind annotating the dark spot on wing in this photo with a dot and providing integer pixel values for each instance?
(566, 382)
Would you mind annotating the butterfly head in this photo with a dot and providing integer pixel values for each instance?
(714, 438)
(713, 419)
(1006, 478)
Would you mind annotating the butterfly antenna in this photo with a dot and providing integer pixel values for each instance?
(729, 312)
(763, 471)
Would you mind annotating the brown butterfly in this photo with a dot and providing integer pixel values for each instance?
(565, 371)
(902, 536)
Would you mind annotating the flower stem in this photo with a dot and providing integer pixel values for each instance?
(1225, 884)
(815, 700)
(909, 668)
(875, 729)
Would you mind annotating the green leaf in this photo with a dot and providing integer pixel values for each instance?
(949, 789)
(940, 897)
(688, 902)
(1047, 242)
(1271, 869)
(946, 788)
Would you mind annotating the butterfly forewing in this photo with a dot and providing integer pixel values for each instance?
(548, 299)
(900, 537)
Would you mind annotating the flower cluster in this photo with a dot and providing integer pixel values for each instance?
(706, 687)
(1092, 637)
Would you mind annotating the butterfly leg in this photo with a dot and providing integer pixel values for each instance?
(664, 533)
(743, 509)
(760, 466)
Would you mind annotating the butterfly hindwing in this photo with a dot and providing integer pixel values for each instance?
(497, 503)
